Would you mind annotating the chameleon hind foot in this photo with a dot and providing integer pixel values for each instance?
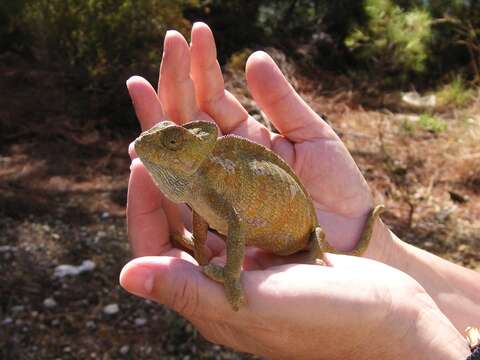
(319, 246)
(316, 253)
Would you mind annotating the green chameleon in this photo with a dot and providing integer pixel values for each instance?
(240, 189)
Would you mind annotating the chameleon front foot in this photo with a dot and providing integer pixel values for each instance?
(233, 286)
(214, 272)
(234, 293)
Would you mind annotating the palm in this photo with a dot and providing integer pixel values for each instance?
(191, 87)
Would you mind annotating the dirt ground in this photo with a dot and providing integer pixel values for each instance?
(63, 186)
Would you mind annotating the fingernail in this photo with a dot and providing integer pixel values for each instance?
(131, 151)
(138, 280)
(135, 162)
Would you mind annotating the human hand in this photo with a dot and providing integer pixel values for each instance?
(340, 193)
(356, 309)
(191, 87)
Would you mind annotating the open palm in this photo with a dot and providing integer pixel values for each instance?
(191, 87)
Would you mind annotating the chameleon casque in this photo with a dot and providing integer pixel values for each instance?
(239, 188)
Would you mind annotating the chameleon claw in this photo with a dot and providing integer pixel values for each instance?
(214, 272)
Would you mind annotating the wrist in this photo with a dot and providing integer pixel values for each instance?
(424, 332)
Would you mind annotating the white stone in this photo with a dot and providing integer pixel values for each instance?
(140, 321)
(5, 248)
(414, 99)
(72, 270)
(49, 303)
(111, 309)
(7, 321)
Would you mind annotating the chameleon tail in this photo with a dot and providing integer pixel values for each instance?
(319, 245)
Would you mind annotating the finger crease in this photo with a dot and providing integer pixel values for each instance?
(280, 98)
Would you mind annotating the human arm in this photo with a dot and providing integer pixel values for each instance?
(455, 289)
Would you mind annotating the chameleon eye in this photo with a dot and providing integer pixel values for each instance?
(172, 140)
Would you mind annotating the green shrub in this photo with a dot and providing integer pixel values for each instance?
(455, 93)
(432, 124)
(393, 39)
(99, 38)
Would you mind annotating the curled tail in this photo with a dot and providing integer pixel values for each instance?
(319, 245)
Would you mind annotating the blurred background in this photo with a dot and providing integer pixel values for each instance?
(397, 79)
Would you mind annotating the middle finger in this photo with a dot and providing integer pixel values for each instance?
(175, 87)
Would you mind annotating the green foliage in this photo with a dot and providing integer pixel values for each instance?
(319, 26)
(455, 93)
(426, 122)
(99, 38)
(456, 36)
(432, 124)
(393, 39)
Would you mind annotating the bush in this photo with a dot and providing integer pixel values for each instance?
(100, 38)
(455, 93)
(393, 40)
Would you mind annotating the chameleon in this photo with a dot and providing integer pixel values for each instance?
(240, 189)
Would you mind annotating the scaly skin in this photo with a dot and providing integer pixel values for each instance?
(239, 188)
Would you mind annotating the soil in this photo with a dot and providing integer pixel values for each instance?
(63, 185)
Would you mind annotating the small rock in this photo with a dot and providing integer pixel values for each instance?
(105, 215)
(415, 100)
(7, 248)
(7, 321)
(55, 322)
(49, 303)
(55, 236)
(124, 349)
(457, 197)
(428, 244)
(463, 248)
(90, 324)
(111, 309)
(72, 270)
(140, 322)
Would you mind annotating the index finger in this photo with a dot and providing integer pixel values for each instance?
(145, 101)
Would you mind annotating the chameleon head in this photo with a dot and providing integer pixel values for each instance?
(179, 149)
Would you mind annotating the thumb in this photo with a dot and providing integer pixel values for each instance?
(176, 283)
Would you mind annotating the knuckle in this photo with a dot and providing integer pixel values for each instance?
(185, 298)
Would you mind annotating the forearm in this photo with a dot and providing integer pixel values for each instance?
(455, 289)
